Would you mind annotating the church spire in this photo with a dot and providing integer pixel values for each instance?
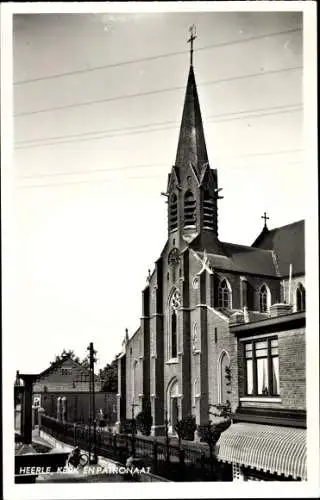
(191, 146)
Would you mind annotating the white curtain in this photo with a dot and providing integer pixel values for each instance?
(275, 375)
(262, 371)
(249, 377)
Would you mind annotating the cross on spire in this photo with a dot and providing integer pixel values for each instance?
(193, 36)
(264, 216)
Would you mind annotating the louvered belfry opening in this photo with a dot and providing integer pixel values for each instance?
(189, 210)
(173, 213)
(208, 211)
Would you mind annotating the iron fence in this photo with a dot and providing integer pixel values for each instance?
(174, 462)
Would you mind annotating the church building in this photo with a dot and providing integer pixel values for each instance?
(200, 292)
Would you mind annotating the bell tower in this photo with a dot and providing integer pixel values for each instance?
(192, 189)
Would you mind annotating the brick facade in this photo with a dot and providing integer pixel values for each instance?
(68, 381)
(178, 358)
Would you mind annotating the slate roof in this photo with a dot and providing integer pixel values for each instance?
(243, 259)
(288, 244)
(270, 255)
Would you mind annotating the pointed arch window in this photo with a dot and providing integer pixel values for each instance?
(174, 304)
(224, 294)
(173, 334)
(189, 209)
(134, 379)
(208, 211)
(173, 212)
(301, 298)
(264, 299)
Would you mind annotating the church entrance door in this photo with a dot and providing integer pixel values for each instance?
(172, 404)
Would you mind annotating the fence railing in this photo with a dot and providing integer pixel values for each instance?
(170, 461)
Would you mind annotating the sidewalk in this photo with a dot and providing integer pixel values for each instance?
(102, 472)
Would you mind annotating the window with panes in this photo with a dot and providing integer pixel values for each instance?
(262, 367)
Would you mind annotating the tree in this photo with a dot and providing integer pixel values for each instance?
(70, 353)
(211, 432)
(185, 428)
(109, 377)
(144, 420)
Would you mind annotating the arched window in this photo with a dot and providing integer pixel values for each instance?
(208, 211)
(173, 334)
(173, 212)
(134, 379)
(264, 299)
(189, 209)
(224, 294)
(301, 298)
(174, 304)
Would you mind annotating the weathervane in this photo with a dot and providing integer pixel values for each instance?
(193, 36)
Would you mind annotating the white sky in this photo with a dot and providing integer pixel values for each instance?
(90, 218)
(71, 272)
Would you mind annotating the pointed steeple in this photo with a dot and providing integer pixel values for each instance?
(192, 188)
(191, 146)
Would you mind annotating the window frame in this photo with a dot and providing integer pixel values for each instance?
(172, 311)
(228, 289)
(267, 294)
(269, 358)
(66, 371)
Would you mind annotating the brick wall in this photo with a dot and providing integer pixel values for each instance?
(78, 405)
(219, 341)
(292, 377)
(56, 380)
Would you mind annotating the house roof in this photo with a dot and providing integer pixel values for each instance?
(287, 242)
(59, 363)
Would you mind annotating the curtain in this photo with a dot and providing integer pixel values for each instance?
(262, 375)
(275, 375)
(249, 377)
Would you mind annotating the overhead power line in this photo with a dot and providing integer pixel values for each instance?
(97, 133)
(138, 131)
(151, 58)
(154, 92)
(149, 167)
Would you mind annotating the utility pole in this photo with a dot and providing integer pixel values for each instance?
(92, 406)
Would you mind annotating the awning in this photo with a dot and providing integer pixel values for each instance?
(280, 450)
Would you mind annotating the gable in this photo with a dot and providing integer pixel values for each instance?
(288, 244)
(65, 370)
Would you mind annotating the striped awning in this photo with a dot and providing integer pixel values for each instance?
(280, 450)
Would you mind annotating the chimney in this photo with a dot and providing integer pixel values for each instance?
(236, 318)
(280, 310)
